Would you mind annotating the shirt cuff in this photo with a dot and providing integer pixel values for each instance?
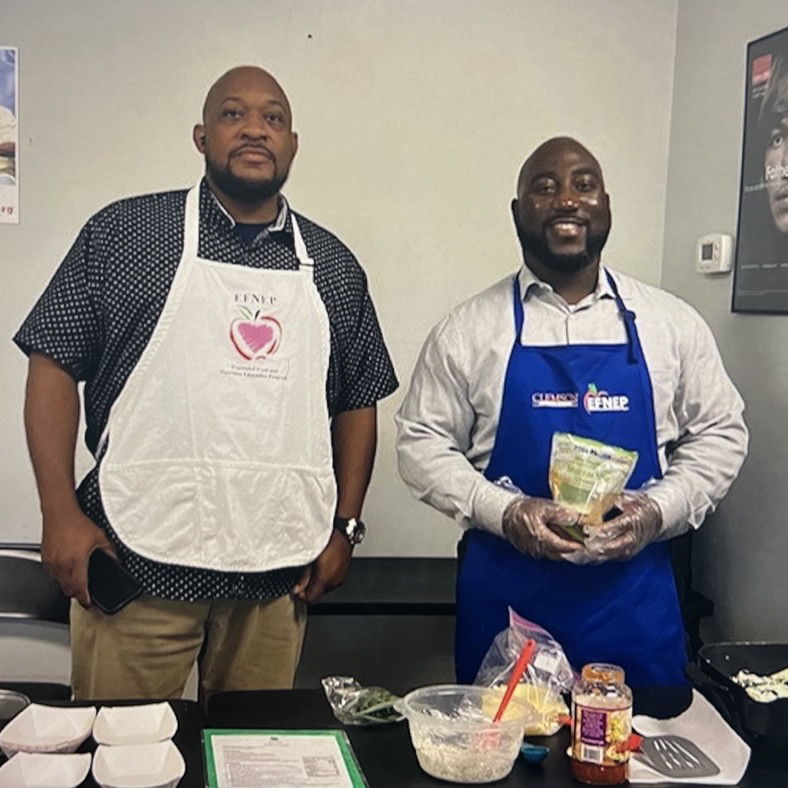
(675, 520)
(489, 504)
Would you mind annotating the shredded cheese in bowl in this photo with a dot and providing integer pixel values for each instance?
(452, 732)
(462, 759)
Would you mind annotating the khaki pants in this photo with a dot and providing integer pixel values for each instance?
(147, 650)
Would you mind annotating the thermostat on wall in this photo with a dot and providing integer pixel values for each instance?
(714, 254)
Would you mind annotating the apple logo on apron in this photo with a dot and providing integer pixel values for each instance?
(256, 336)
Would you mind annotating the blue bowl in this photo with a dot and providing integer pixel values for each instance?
(533, 753)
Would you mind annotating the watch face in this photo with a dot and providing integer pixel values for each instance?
(358, 533)
(353, 529)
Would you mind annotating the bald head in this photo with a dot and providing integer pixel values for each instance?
(549, 150)
(241, 75)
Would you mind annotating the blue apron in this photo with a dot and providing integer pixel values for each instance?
(624, 612)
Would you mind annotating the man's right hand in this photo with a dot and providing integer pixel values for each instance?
(66, 544)
(530, 525)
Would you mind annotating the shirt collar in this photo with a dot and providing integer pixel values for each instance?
(215, 213)
(532, 286)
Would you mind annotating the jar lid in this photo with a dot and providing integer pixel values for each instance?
(603, 672)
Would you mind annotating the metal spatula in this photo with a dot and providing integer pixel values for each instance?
(675, 756)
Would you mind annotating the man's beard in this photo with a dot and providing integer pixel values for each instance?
(536, 245)
(242, 189)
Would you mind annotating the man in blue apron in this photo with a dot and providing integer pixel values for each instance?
(233, 362)
(566, 345)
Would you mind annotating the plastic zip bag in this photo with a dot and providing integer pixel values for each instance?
(587, 476)
(353, 704)
(547, 677)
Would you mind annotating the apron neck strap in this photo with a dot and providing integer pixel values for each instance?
(304, 260)
(191, 223)
(191, 231)
(628, 316)
(518, 310)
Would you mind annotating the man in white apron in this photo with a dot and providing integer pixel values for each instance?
(566, 345)
(232, 361)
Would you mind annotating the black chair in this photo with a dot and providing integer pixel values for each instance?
(29, 597)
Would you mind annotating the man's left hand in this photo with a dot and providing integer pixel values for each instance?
(639, 524)
(327, 571)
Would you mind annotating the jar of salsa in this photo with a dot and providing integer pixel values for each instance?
(601, 725)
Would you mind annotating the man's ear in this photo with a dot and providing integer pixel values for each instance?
(198, 135)
(295, 143)
(513, 208)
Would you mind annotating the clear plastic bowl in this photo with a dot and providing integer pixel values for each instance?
(452, 731)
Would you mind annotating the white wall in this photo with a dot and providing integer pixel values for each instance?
(414, 118)
(741, 550)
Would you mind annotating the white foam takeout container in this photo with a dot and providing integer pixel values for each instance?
(157, 765)
(145, 724)
(44, 770)
(40, 728)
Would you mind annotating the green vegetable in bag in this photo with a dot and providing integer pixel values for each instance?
(353, 704)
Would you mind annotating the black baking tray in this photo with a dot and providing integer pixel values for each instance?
(761, 723)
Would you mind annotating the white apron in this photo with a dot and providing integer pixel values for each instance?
(218, 449)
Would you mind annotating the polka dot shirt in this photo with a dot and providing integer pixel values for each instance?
(99, 310)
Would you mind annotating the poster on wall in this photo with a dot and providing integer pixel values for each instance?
(9, 165)
(761, 274)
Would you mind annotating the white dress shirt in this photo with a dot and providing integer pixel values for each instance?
(447, 422)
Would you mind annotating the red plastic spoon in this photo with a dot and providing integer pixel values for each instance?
(514, 680)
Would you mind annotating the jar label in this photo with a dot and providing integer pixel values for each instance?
(601, 736)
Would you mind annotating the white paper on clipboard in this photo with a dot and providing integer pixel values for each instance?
(273, 758)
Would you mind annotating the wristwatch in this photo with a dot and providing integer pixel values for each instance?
(353, 529)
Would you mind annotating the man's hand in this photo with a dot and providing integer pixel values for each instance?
(67, 542)
(327, 571)
(639, 524)
(528, 526)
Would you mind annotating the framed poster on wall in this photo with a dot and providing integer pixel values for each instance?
(9, 165)
(760, 281)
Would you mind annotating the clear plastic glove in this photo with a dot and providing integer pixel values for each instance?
(532, 526)
(639, 524)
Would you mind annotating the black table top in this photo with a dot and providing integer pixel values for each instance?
(389, 761)
(385, 752)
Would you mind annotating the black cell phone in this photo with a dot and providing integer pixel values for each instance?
(110, 586)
